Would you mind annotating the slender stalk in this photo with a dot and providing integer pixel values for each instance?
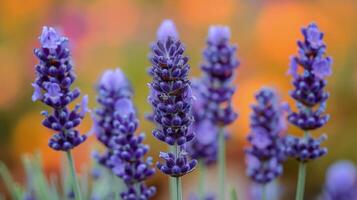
(300, 190)
(202, 181)
(173, 191)
(222, 164)
(177, 180)
(301, 182)
(264, 192)
(75, 183)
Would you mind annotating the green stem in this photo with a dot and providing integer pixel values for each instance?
(222, 164)
(301, 182)
(202, 181)
(264, 192)
(172, 180)
(75, 183)
(178, 187)
(300, 190)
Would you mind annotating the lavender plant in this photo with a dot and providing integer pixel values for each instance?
(54, 77)
(310, 97)
(218, 67)
(171, 99)
(267, 151)
(341, 182)
(116, 124)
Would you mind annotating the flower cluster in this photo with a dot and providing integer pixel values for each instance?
(171, 98)
(218, 67)
(309, 86)
(130, 151)
(54, 77)
(267, 150)
(341, 182)
(116, 124)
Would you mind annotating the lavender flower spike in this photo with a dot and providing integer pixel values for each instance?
(112, 86)
(310, 96)
(218, 68)
(130, 152)
(309, 93)
(54, 77)
(116, 124)
(219, 64)
(341, 182)
(266, 153)
(171, 99)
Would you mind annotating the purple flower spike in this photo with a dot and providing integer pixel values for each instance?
(218, 69)
(171, 97)
(54, 77)
(116, 124)
(309, 91)
(267, 151)
(341, 182)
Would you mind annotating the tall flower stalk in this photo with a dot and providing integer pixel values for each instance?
(310, 98)
(54, 77)
(171, 99)
(218, 68)
(116, 123)
(267, 151)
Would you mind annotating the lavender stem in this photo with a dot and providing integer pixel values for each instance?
(264, 192)
(202, 181)
(221, 164)
(177, 180)
(300, 190)
(75, 183)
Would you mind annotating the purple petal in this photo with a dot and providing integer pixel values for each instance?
(84, 105)
(37, 94)
(164, 155)
(167, 29)
(124, 107)
(260, 138)
(206, 132)
(293, 70)
(252, 161)
(218, 34)
(314, 36)
(322, 67)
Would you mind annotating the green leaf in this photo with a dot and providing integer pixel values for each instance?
(12, 186)
(234, 195)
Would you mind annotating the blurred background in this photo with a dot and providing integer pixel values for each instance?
(109, 33)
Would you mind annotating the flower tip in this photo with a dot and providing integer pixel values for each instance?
(50, 38)
(167, 29)
(218, 34)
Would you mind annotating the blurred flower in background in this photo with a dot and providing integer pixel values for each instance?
(118, 33)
